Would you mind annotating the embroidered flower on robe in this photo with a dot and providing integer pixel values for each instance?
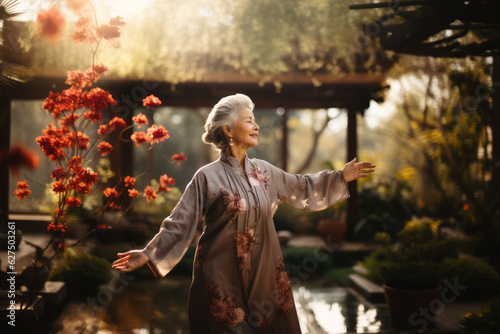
(284, 295)
(234, 203)
(257, 178)
(223, 310)
(244, 243)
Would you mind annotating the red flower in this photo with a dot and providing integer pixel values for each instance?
(50, 23)
(80, 187)
(59, 213)
(94, 73)
(111, 192)
(157, 133)
(76, 79)
(129, 181)
(101, 227)
(22, 185)
(150, 194)
(70, 119)
(465, 207)
(105, 129)
(62, 246)
(109, 32)
(81, 35)
(151, 101)
(83, 180)
(58, 187)
(117, 123)
(163, 188)
(100, 69)
(133, 193)
(113, 205)
(85, 175)
(22, 193)
(105, 147)
(98, 99)
(164, 179)
(117, 21)
(73, 201)
(58, 174)
(50, 147)
(71, 99)
(19, 156)
(140, 119)
(79, 140)
(75, 163)
(52, 227)
(68, 100)
(92, 116)
(139, 138)
(179, 157)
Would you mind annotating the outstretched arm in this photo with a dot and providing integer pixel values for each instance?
(354, 170)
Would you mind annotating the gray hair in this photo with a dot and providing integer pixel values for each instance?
(225, 112)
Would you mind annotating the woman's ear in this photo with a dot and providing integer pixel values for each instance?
(227, 130)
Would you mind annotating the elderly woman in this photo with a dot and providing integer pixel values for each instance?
(239, 281)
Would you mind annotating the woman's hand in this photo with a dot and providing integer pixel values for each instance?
(354, 170)
(130, 260)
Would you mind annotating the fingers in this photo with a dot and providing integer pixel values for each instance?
(122, 263)
(365, 167)
(365, 164)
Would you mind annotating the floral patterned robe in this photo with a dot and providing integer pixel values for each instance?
(239, 281)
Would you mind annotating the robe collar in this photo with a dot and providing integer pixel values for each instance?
(233, 162)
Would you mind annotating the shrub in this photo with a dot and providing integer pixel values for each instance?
(305, 261)
(82, 273)
(414, 261)
(480, 278)
(384, 207)
(487, 321)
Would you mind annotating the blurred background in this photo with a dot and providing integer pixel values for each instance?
(410, 85)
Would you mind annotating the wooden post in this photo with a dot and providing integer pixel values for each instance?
(284, 141)
(4, 166)
(352, 152)
(495, 130)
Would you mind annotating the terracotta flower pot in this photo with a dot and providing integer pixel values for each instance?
(412, 308)
(34, 278)
(332, 231)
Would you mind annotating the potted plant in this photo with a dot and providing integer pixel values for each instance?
(331, 223)
(410, 269)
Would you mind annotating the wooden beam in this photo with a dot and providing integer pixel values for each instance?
(5, 104)
(205, 94)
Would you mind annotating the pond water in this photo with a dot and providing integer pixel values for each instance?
(159, 307)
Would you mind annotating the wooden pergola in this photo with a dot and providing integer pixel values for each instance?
(352, 92)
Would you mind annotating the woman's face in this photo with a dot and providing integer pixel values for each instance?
(245, 131)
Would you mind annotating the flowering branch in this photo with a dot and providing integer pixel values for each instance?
(65, 140)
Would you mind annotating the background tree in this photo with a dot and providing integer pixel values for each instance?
(445, 123)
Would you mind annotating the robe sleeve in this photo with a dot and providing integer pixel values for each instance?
(170, 244)
(312, 192)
